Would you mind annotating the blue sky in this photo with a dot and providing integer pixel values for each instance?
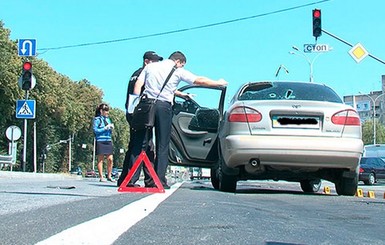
(250, 49)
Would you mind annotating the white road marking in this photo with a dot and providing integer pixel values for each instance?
(94, 232)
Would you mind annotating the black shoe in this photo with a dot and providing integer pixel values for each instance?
(132, 185)
(154, 186)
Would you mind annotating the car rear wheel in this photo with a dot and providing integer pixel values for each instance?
(346, 186)
(371, 180)
(214, 178)
(227, 183)
(310, 186)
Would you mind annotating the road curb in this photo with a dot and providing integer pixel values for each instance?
(29, 175)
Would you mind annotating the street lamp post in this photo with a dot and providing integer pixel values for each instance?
(310, 62)
(374, 114)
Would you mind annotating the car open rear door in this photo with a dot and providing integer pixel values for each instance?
(195, 124)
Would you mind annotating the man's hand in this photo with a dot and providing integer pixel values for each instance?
(222, 82)
(187, 96)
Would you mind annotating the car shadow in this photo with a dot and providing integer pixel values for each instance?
(251, 189)
(257, 190)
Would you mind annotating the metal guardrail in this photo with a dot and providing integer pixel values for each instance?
(7, 159)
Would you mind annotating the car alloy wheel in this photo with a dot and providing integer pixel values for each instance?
(371, 179)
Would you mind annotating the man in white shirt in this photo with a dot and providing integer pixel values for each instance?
(153, 77)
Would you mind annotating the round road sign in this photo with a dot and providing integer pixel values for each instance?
(13, 133)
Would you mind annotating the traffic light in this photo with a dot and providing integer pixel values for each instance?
(26, 76)
(317, 29)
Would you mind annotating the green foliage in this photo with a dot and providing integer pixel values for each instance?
(64, 109)
(367, 132)
(120, 135)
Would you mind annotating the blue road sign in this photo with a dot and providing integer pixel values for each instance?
(27, 47)
(25, 109)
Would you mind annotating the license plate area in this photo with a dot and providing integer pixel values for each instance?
(297, 121)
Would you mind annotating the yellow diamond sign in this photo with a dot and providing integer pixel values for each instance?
(358, 52)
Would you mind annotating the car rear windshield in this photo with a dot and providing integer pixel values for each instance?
(288, 91)
(366, 161)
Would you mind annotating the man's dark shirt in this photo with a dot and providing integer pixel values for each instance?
(131, 84)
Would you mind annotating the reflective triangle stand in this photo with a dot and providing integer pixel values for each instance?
(159, 187)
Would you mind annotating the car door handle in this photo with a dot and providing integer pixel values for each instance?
(207, 141)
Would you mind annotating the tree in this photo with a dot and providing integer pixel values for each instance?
(64, 109)
(367, 132)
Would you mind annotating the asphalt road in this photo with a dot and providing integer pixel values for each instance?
(38, 208)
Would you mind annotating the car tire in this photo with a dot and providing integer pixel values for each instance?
(371, 179)
(346, 186)
(311, 186)
(214, 178)
(227, 183)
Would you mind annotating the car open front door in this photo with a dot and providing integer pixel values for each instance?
(195, 124)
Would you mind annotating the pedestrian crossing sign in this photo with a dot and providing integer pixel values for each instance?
(25, 109)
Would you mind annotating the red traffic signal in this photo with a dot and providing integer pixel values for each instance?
(316, 13)
(317, 29)
(27, 66)
(26, 76)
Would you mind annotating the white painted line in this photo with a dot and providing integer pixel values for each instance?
(94, 232)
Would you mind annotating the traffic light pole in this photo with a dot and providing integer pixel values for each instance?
(349, 44)
(25, 137)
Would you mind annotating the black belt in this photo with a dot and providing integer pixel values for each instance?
(145, 98)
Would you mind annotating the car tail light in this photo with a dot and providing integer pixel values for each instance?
(244, 114)
(346, 117)
(361, 170)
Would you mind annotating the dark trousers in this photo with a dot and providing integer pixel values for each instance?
(135, 146)
(163, 117)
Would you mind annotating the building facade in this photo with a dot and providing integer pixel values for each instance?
(370, 104)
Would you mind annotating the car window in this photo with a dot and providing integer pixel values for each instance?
(202, 98)
(204, 105)
(374, 151)
(288, 91)
(367, 161)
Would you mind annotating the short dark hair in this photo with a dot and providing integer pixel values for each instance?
(177, 55)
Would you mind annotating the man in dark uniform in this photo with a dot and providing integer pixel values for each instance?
(148, 57)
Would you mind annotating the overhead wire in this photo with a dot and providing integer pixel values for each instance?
(182, 30)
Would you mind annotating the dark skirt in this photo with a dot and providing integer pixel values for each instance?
(104, 148)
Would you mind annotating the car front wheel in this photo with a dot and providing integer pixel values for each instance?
(311, 186)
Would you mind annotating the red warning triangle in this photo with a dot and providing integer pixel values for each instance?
(142, 158)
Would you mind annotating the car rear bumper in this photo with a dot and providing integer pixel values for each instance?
(363, 177)
(310, 152)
